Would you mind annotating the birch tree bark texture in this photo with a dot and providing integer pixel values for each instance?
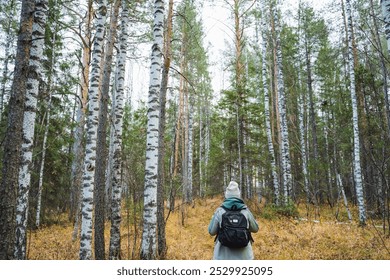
(271, 150)
(13, 138)
(116, 127)
(355, 118)
(35, 75)
(78, 149)
(92, 124)
(285, 146)
(101, 156)
(149, 234)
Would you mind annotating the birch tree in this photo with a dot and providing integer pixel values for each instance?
(9, 40)
(35, 75)
(44, 149)
(117, 127)
(285, 146)
(355, 118)
(265, 86)
(48, 103)
(92, 123)
(301, 121)
(78, 149)
(149, 234)
(13, 139)
(101, 155)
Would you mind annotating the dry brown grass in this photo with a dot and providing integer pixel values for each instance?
(278, 239)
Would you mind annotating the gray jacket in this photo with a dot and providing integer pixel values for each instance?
(222, 252)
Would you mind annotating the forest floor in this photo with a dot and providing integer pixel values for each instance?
(280, 238)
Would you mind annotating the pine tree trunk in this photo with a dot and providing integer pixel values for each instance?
(117, 127)
(35, 75)
(149, 234)
(92, 124)
(201, 146)
(356, 150)
(13, 139)
(189, 148)
(184, 146)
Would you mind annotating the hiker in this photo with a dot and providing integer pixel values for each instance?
(237, 245)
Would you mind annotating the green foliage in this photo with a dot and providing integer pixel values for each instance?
(272, 211)
(134, 150)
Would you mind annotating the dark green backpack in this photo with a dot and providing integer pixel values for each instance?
(234, 229)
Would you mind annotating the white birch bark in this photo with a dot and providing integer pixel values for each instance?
(116, 128)
(149, 234)
(101, 144)
(41, 169)
(355, 118)
(10, 37)
(92, 123)
(78, 149)
(301, 120)
(302, 141)
(271, 150)
(340, 187)
(285, 146)
(35, 75)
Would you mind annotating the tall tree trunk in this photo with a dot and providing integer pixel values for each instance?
(239, 84)
(301, 121)
(117, 127)
(189, 148)
(149, 234)
(162, 247)
(285, 146)
(35, 75)
(42, 166)
(312, 121)
(201, 145)
(356, 149)
(92, 124)
(186, 186)
(78, 148)
(271, 150)
(13, 138)
(385, 4)
(47, 125)
(101, 155)
(10, 37)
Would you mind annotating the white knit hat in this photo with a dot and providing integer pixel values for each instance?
(232, 190)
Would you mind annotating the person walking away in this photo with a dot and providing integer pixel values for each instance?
(233, 224)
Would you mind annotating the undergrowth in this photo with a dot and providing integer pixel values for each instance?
(286, 233)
